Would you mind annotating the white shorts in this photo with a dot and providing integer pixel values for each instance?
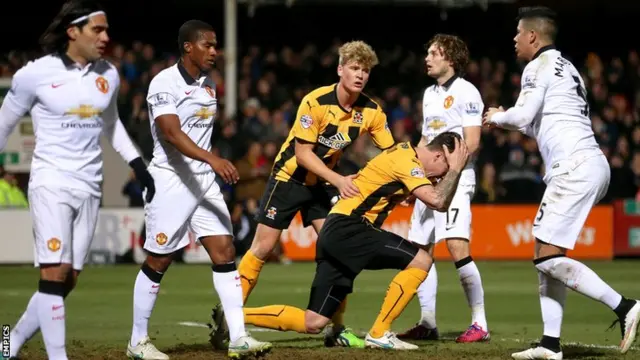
(569, 198)
(430, 227)
(64, 221)
(192, 203)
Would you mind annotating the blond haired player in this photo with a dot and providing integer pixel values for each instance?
(553, 108)
(329, 119)
(452, 104)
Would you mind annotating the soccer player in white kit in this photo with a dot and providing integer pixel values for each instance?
(71, 94)
(453, 104)
(183, 105)
(552, 108)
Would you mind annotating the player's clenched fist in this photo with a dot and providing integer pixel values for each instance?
(225, 169)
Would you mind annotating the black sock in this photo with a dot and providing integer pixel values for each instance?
(623, 308)
(551, 343)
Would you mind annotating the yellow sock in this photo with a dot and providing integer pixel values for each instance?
(249, 270)
(401, 290)
(338, 317)
(277, 317)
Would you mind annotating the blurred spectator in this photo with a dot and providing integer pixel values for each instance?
(133, 190)
(11, 196)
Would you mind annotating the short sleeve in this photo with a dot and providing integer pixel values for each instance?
(161, 99)
(21, 95)
(473, 107)
(380, 131)
(408, 170)
(306, 126)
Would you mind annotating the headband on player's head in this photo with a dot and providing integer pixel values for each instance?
(85, 17)
(536, 12)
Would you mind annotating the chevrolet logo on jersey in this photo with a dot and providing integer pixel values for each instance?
(436, 124)
(84, 111)
(338, 141)
(204, 113)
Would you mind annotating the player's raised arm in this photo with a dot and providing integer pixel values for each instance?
(17, 102)
(439, 196)
(306, 129)
(533, 87)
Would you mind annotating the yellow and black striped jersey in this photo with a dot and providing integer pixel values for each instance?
(322, 121)
(385, 181)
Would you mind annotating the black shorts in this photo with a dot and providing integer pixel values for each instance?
(347, 245)
(283, 199)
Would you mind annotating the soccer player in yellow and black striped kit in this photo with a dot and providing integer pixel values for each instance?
(351, 239)
(329, 119)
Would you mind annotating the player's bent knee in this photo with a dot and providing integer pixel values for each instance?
(551, 265)
(220, 248)
(265, 241)
(314, 322)
(458, 248)
(544, 249)
(158, 262)
(55, 272)
(422, 261)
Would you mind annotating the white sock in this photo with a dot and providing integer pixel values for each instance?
(552, 296)
(472, 285)
(427, 296)
(229, 289)
(145, 293)
(578, 277)
(26, 327)
(52, 324)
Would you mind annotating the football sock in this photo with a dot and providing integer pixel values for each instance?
(578, 277)
(277, 317)
(401, 290)
(249, 268)
(226, 281)
(552, 297)
(51, 316)
(26, 327)
(427, 297)
(472, 285)
(145, 293)
(338, 317)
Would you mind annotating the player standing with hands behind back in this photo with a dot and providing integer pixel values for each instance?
(183, 105)
(71, 94)
(553, 108)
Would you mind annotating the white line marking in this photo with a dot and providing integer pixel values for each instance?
(363, 333)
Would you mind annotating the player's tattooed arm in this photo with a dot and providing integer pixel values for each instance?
(446, 188)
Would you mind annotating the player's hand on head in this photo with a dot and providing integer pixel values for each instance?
(457, 158)
(225, 169)
(346, 186)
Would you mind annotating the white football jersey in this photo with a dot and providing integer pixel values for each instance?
(451, 107)
(174, 91)
(553, 108)
(70, 106)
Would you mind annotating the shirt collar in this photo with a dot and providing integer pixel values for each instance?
(447, 84)
(541, 50)
(185, 75)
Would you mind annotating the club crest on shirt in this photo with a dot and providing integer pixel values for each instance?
(448, 102)
(306, 121)
(54, 244)
(357, 118)
(102, 84)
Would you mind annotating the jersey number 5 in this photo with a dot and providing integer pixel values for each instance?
(583, 95)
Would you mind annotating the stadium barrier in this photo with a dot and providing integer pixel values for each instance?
(500, 232)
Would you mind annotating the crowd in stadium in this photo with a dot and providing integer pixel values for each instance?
(272, 82)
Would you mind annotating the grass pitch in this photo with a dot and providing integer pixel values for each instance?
(99, 312)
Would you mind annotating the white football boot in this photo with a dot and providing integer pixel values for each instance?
(388, 341)
(538, 353)
(145, 350)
